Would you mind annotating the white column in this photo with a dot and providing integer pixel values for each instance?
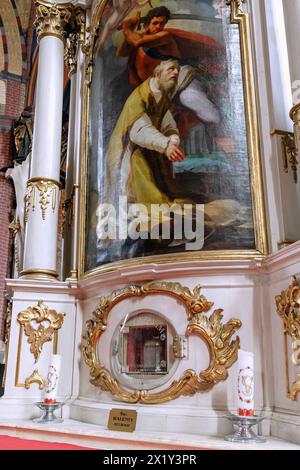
(291, 10)
(275, 95)
(42, 197)
(76, 170)
(76, 62)
(70, 181)
(292, 19)
(279, 64)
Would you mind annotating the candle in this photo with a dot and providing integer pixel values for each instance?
(52, 379)
(245, 383)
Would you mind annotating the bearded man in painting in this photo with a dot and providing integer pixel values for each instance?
(145, 141)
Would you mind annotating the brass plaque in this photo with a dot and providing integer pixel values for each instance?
(122, 420)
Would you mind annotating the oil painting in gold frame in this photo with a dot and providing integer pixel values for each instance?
(216, 127)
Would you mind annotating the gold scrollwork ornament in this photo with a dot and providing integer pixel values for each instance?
(35, 377)
(223, 349)
(70, 55)
(40, 315)
(288, 308)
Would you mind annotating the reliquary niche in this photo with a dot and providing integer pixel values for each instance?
(141, 338)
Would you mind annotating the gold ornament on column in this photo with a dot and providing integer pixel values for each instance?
(288, 308)
(47, 189)
(52, 18)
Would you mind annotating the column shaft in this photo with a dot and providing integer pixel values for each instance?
(46, 149)
(42, 195)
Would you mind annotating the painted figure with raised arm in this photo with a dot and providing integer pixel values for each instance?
(197, 55)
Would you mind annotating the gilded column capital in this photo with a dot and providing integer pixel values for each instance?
(52, 19)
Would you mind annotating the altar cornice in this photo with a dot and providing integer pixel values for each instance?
(245, 273)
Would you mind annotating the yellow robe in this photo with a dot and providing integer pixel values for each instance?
(146, 166)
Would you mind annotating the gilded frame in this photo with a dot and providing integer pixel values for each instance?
(223, 349)
(241, 18)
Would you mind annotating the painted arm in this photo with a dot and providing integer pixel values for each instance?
(145, 135)
(169, 128)
(139, 39)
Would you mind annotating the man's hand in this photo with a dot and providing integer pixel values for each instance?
(174, 152)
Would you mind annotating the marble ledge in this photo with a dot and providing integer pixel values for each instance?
(31, 285)
(99, 437)
(124, 273)
(245, 272)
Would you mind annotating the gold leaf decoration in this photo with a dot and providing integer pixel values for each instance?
(288, 308)
(35, 377)
(223, 349)
(49, 322)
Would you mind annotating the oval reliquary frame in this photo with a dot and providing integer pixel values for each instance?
(217, 336)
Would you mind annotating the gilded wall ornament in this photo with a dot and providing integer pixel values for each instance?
(40, 315)
(289, 152)
(71, 49)
(218, 337)
(288, 308)
(52, 19)
(14, 227)
(68, 208)
(46, 191)
(295, 117)
(8, 322)
(80, 20)
(7, 334)
(35, 377)
(235, 4)
(75, 39)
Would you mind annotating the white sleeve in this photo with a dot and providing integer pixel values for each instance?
(169, 124)
(144, 134)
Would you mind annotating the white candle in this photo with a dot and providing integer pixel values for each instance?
(246, 383)
(52, 379)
